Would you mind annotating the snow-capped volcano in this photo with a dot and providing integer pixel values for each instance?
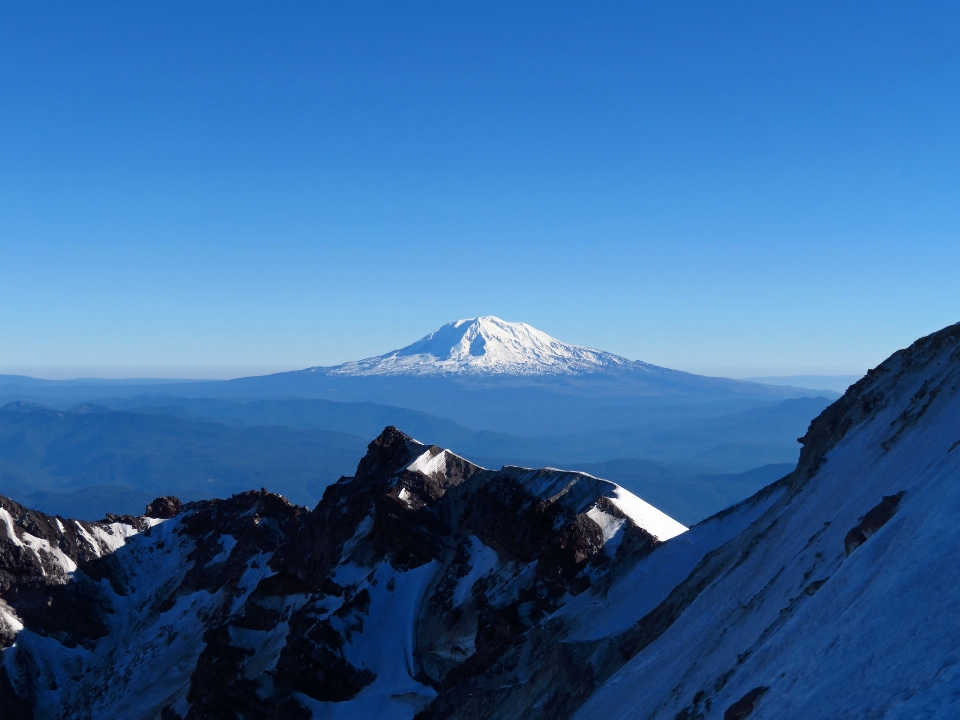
(486, 345)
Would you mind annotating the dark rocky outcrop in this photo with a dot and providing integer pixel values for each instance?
(50, 573)
(745, 706)
(164, 508)
(408, 506)
(876, 518)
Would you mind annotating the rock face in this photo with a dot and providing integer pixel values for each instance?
(408, 581)
(164, 508)
(427, 586)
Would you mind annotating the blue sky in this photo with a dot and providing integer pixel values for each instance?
(223, 188)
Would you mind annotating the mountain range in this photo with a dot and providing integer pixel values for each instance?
(426, 586)
(90, 461)
(485, 374)
(501, 393)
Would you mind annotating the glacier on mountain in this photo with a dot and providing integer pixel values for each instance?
(487, 345)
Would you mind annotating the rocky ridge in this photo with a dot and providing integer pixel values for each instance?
(406, 581)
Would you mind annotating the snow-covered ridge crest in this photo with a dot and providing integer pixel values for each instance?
(486, 345)
(583, 493)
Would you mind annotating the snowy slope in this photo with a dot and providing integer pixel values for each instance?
(486, 345)
(581, 492)
(796, 600)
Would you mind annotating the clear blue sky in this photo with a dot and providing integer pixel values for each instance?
(730, 188)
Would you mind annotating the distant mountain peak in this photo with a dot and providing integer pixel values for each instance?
(486, 346)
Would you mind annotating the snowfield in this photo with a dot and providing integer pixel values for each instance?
(873, 634)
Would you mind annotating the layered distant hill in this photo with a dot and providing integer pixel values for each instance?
(485, 373)
(500, 392)
(90, 460)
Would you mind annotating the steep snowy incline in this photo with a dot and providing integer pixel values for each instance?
(487, 345)
(832, 594)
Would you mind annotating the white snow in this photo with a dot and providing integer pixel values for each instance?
(485, 345)
(8, 617)
(36, 545)
(878, 638)
(91, 541)
(227, 544)
(482, 560)
(114, 536)
(385, 646)
(646, 516)
(8, 525)
(349, 573)
(363, 529)
(266, 646)
(429, 464)
(610, 526)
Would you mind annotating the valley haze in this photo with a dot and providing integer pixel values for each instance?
(500, 392)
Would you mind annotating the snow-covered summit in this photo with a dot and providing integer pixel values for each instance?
(486, 345)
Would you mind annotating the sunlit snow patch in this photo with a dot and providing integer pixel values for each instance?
(658, 524)
(429, 464)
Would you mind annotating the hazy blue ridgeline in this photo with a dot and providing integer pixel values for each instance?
(529, 406)
(91, 460)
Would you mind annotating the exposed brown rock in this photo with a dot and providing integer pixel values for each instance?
(743, 707)
(876, 518)
(386, 513)
(164, 507)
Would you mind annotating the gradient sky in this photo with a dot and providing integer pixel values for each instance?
(214, 189)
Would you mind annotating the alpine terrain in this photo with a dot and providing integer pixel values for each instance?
(427, 586)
